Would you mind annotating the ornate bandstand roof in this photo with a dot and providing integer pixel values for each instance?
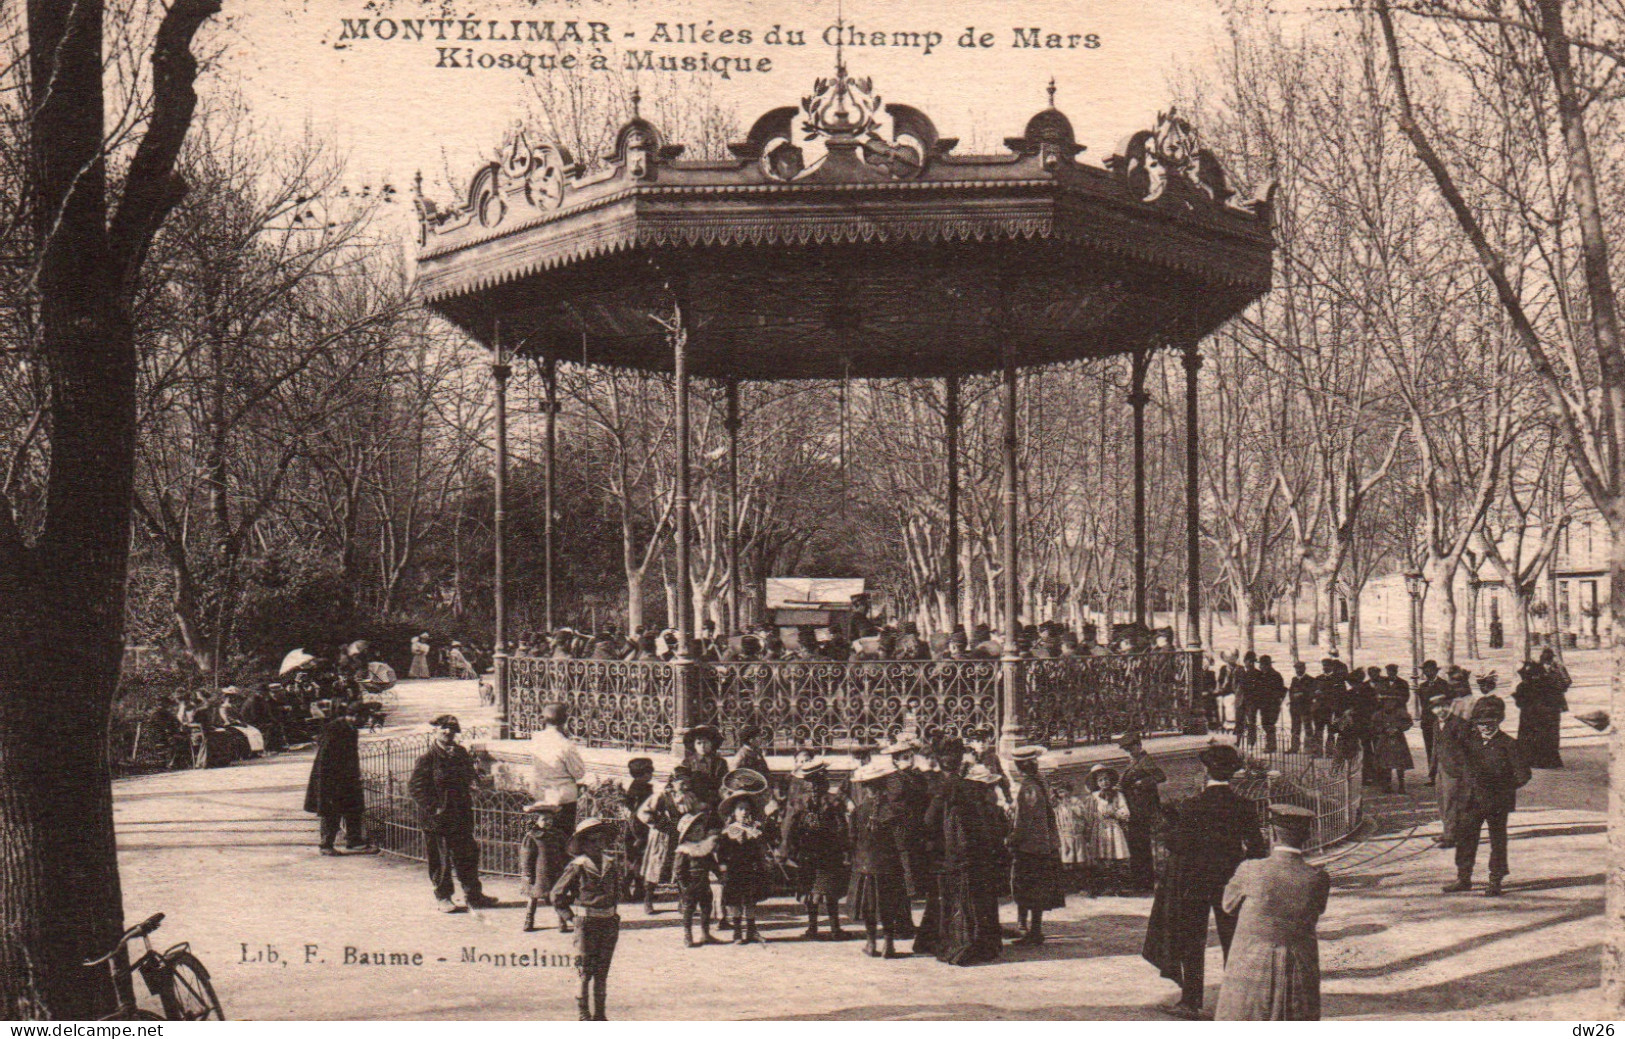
(846, 238)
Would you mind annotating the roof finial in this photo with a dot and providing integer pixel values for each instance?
(840, 30)
(1050, 90)
(637, 98)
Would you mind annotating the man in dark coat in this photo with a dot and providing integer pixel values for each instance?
(334, 791)
(1269, 689)
(1301, 704)
(1140, 784)
(1495, 771)
(1212, 834)
(442, 786)
(1430, 687)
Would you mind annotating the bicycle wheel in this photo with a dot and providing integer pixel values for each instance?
(187, 994)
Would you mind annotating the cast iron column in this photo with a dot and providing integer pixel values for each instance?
(1193, 544)
(952, 388)
(500, 372)
(1139, 361)
(551, 409)
(733, 504)
(682, 663)
(1014, 716)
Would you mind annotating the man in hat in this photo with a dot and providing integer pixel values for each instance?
(1249, 692)
(555, 777)
(1495, 772)
(1300, 704)
(1430, 687)
(1465, 702)
(1141, 782)
(1213, 833)
(1268, 691)
(442, 785)
(334, 792)
(1273, 970)
(1035, 845)
(814, 842)
(592, 883)
(1450, 764)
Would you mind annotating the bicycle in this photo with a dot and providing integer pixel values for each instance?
(176, 976)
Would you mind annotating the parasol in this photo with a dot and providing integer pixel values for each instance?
(294, 661)
(380, 675)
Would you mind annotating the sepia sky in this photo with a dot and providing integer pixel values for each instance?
(394, 112)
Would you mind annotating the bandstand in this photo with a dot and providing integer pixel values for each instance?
(846, 238)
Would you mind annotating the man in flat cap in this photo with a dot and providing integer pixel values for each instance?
(1273, 970)
(1213, 833)
(442, 785)
(1140, 783)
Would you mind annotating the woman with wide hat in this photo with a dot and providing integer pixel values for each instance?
(878, 895)
(974, 867)
(592, 882)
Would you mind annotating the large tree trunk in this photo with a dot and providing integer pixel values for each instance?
(1613, 957)
(1447, 621)
(62, 599)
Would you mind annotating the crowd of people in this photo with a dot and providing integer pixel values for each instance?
(921, 843)
(871, 641)
(195, 730)
(926, 838)
(1343, 712)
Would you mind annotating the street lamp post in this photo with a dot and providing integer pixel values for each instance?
(1416, 583)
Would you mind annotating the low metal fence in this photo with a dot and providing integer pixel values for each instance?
(1326, 779)
(499, 823)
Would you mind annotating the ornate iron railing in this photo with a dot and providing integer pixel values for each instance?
(831, 705)
(613, 703)
(499, 824)
(834, 704)
(1070, 701)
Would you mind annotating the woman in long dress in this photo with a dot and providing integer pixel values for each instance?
(972, 829)
(1393, 754)
(661, 813)
(420, 657)
(1541, 703)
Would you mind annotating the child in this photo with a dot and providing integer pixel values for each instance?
(742, 850)
(694, 862)
(662, 813)
(638, 791)
(593, 880)
(1111, 837)
(1075, 823)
